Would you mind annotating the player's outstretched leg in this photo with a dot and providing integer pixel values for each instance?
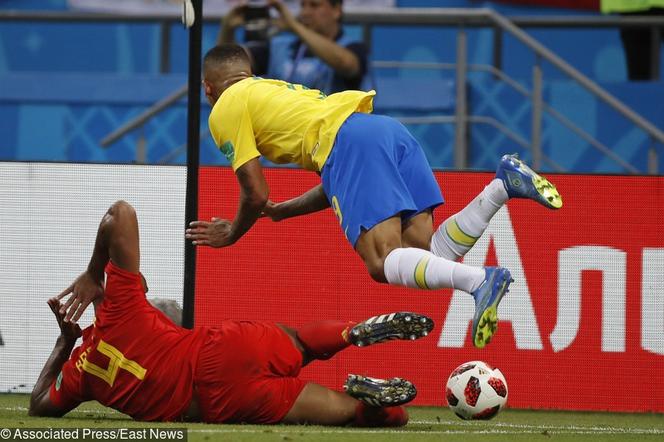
(321, 406)
(487, 297)
(522, 182)
(514, 179)
(380, 392)
(381, 328)
(323, 339)
(459, 233)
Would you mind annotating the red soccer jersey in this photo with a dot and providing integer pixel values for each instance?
(133, 358)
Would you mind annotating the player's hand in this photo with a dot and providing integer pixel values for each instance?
(214, 233)
(274, 211)
(83, 290)
(69, 330)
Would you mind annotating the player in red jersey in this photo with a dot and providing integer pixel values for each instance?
(137, 361)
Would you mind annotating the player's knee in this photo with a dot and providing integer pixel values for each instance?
(420, 242)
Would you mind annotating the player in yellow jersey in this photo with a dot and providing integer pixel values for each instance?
(374, 176)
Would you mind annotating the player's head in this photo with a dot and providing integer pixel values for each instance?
(322, 16)
(223, 66)
(168, 307)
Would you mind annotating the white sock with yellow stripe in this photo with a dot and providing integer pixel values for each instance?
(417, 268)
(459, 232)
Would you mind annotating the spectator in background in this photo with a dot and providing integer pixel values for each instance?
(637, 42)
(320, 57)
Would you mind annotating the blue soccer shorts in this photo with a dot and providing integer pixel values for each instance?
(375, 171)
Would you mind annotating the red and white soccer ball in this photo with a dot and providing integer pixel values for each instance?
(476, 391)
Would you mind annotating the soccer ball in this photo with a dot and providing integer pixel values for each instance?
(476, 391)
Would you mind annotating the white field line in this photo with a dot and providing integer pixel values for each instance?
(405, 432)
(77, 410)
(480, 428)
(543, 427)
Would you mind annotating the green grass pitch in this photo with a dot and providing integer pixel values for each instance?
(426, 424)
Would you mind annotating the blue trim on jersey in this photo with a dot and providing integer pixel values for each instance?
(376, 170)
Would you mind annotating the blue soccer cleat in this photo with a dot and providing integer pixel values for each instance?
(487, 297)
(522, 182)
(380, 392)
(400, 325)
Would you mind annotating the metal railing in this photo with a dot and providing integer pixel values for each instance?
(464, 18)
(145, 116)
(461, 19)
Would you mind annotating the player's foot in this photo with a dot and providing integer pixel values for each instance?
(380, 392)
(522, 182)
(401, 325)
(487, 297)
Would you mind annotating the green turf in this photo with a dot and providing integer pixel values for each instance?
(426, 424)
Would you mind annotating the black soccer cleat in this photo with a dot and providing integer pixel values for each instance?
(380, 392)
(401, 325)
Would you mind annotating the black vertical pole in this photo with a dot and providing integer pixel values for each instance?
(193, 150)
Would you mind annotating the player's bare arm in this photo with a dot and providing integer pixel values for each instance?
(311, 201)
(90, 284)
(117, 240)
(40, 402)
(254, 193)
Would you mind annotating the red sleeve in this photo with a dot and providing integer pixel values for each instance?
(65, 390)
(123, 288)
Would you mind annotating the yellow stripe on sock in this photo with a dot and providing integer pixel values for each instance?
(420, 273)
(458, 235)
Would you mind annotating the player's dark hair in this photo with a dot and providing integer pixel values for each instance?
(227, 53)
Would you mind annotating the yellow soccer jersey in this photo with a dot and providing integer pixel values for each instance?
(285, 123)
